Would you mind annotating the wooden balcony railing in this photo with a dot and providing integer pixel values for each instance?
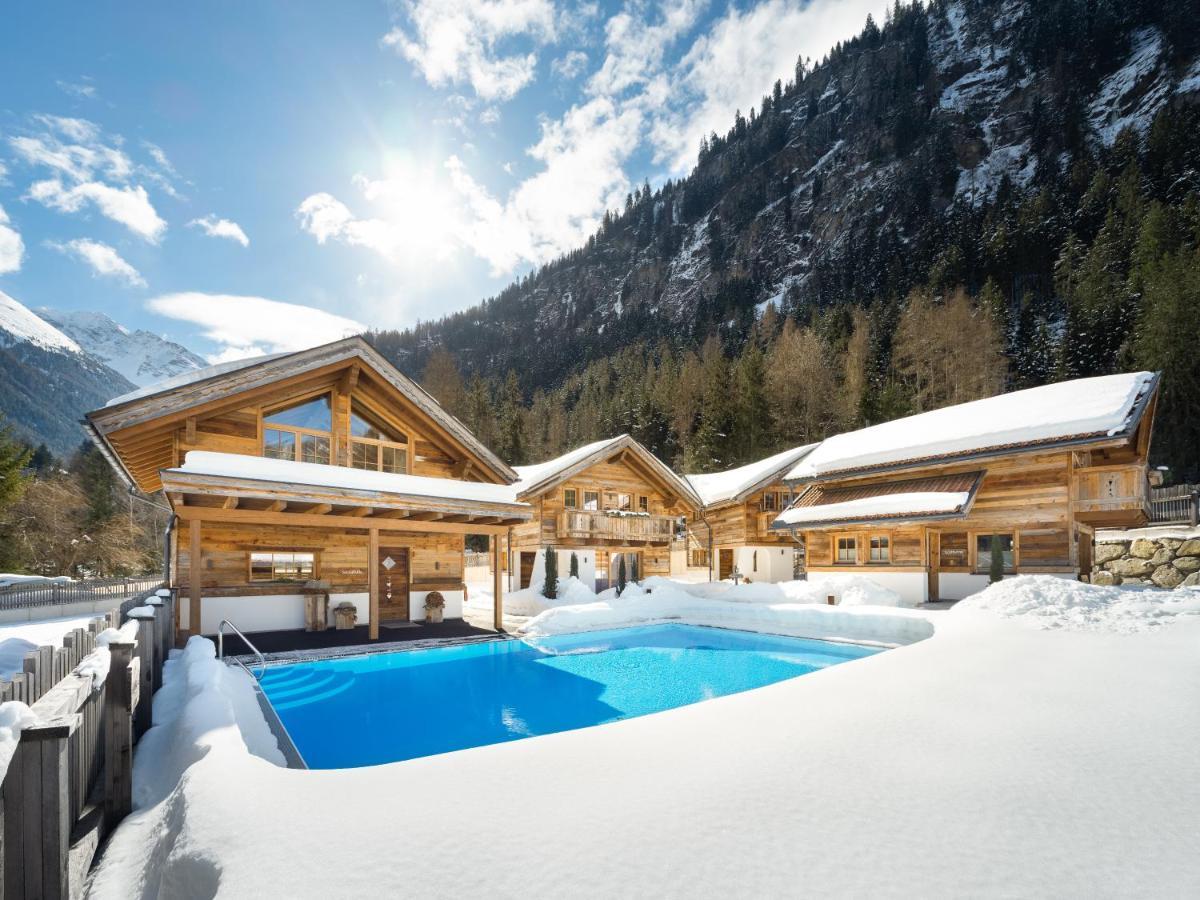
(591, 524)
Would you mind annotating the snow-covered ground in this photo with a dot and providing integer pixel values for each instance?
(999, 757)
(18, 639)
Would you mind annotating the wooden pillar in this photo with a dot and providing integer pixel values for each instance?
(120, 695)
(373, 581)
(148, 648)
(497, 583)
(194, 564)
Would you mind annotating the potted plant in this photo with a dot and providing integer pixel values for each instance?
(434, 604)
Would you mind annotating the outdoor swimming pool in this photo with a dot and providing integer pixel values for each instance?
(386, 707)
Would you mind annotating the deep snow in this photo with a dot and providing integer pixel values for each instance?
(993, 759)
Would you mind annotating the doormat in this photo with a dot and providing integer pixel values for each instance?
(398, 623)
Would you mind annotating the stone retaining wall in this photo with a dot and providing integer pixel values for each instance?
(1164, 561)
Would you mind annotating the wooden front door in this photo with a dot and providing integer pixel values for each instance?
(724, 564)
(393, 583)
(526, 569)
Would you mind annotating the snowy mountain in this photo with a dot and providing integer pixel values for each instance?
(47, 380)
(141, 356)
(911, 155)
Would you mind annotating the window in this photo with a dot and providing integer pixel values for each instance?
(847, 550)
(625, 502)
(644, 504)
(591, 499)
(987, 544)
(374, 445)
(299, 431)
(569, 498)
(282, 566)
(770, 502)
(881, 550)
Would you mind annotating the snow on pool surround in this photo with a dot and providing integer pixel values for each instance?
(388, 707)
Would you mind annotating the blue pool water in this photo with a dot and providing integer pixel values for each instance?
(385, 707)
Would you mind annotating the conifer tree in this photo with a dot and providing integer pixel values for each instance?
(14, 457)
(550, 588)
(574, 570)
(621, 575)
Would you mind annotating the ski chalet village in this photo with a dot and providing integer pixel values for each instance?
(618, 450)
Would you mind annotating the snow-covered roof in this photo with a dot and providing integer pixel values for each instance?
(286, 471)
(734, 484)
(196, 375)
(886, 506)
(533, 475)
(1085, 407)
(536, 478)
(27, 327)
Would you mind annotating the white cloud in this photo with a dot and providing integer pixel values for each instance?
(571, 65)
(129, 206)
(489, 116)
(636, 47)
(103, 259)
(222, 228)
(459, 41)
(77, 88)
(250, 326)
(12, 248)
(736, 62)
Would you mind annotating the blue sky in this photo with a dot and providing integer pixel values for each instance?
(255, 176)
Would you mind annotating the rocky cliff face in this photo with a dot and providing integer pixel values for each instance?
(847, 187)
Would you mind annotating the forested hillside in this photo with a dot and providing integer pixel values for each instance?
(972, 197)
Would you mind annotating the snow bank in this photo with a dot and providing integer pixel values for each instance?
(530, 601)
(20, 638)
(1046, 602)
(806, 617)
(96, 664)
(848, 590)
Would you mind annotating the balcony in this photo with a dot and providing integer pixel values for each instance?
(1111, 496)
(577, 524)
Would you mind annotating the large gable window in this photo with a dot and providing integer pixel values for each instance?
(299, 431)
(374, 445)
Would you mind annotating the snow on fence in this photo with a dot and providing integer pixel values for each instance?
(1176, 505)
(27, 595)
(70, 777)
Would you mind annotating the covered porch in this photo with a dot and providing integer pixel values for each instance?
(254, 550)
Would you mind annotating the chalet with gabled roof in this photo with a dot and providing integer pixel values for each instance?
(925, 504)
(326, 467)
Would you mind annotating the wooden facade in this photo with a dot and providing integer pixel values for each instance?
(347, 489)
(1037, 505)
(616, 502)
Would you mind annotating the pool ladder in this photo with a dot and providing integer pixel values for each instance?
(262, 660)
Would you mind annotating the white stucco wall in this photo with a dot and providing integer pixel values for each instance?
(912, 586)
(585, 555)
(960, 585)
(275, 612)
(773, 563)
(452, 610)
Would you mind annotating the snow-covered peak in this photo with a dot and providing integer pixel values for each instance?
(141, 356)
(19, 325)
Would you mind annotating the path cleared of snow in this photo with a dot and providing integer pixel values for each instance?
(993, 759)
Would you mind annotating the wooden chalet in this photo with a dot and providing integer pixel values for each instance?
(740, 507)
(921, 504)
(327, 468)
(605, 502)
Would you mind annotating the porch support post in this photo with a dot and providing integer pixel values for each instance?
(497, 584)
(194, 577)
(373, 581)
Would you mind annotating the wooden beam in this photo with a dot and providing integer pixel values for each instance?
(318, 509)
(176, 498)
(277, 506)
(264, 517)
(392, 514)
(350, 379)
(190, 430)
(355, 512)
(194, 529)
(373, 582)
(427, 516)
(230, 503)
(497, 585)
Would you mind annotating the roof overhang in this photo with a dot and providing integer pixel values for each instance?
(260, 501)
(818, 502)
(1072, 442)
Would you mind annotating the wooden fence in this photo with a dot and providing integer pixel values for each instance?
(1175, 505)
(58, 593)
(70, 779)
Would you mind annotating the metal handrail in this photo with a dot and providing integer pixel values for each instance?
(262, 660)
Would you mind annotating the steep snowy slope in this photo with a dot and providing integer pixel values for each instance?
(141, 356)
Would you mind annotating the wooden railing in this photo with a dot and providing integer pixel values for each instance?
(69, 781)
(593, 524)
(26, 595)
(1175, 505)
